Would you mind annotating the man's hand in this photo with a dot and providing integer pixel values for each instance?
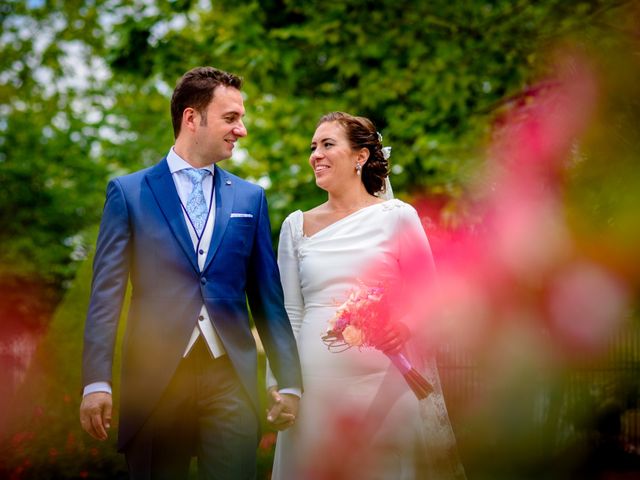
(283, 409)
(95, 414)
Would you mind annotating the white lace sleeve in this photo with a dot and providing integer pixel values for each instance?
(290, 235)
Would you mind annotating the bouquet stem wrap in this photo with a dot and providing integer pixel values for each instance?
(418, 384)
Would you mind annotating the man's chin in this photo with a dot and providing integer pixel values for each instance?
(222, 156)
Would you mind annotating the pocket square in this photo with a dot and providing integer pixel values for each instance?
(241, 215)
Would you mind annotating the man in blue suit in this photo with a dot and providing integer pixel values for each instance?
(195, 243)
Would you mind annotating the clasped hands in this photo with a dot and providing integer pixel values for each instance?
(283, 409)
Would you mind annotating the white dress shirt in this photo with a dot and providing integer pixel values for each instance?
(184, 186)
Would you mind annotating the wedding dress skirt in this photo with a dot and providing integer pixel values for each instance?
(357, 418)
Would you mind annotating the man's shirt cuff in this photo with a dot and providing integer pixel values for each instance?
(293, 391)
(97, 387)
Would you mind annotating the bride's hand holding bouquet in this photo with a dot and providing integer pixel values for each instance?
(364, 320)
(391, 338)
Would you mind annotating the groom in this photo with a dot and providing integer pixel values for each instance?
(195, 243)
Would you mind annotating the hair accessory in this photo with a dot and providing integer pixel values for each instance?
(386, 151)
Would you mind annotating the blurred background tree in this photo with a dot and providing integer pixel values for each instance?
(85, 89)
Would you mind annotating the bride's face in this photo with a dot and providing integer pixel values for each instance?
(332, 159)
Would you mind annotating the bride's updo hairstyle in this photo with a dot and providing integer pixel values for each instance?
(361, 133)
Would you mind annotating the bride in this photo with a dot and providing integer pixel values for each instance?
(357, 416)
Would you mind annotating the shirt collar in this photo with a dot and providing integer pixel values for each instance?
(177, 163)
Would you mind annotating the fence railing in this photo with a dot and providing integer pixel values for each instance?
(591, 398)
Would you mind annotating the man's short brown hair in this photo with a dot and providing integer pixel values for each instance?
(195, 90)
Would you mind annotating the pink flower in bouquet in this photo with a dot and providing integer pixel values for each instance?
(358, 320)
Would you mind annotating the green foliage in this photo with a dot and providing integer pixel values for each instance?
(49, 136)
(604, 194)
(85, 90)
(430, 75)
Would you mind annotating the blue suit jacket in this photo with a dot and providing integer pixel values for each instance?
(144, 238)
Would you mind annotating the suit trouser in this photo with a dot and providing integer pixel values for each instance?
(206, 411)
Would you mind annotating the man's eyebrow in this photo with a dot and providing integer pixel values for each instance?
(234, 113)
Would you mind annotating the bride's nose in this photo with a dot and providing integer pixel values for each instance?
(316, 154)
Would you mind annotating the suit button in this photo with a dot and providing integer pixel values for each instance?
(201, 317)
(203, 280)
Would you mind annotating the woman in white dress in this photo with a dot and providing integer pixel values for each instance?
(357, 416)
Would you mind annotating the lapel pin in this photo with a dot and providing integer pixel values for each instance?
(228, 182)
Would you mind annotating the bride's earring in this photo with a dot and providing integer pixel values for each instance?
(358, 169)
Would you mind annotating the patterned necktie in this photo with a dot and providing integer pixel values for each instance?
(196, 205)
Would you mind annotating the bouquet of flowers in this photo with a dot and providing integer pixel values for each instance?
(359, 321)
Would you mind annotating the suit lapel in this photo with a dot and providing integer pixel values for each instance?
(224, 192)
(161, 183)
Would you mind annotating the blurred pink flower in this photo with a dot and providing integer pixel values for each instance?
(71, 442)
(586, 304)
(267, 441)
(53, 454)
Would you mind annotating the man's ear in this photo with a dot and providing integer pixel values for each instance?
(190, 119)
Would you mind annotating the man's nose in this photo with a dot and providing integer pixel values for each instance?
(240, 130)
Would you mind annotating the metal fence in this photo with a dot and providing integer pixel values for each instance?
(586, 399)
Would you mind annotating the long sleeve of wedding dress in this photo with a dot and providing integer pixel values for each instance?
(288, 266)
(289, 273)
